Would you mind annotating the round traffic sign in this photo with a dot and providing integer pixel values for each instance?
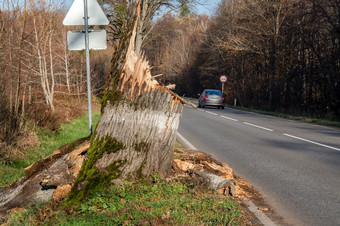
(223, 78)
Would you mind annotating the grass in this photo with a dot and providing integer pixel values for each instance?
(49, 142)
(159, 203)
(178, 145)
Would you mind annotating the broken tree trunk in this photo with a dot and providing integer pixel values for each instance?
(133, 139)
(137, 129)
(42, 178)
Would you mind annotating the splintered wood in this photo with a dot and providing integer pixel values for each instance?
(137, 73)
(136, 69)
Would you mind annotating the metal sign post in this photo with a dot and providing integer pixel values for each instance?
(223, 79)
(86, 21)
(75, 39)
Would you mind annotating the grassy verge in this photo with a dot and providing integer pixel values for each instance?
(161, 203)
(49, 142)
(178, 145)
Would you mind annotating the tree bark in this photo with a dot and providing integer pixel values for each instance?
(67, 72)
(51, 93)
(43, 177)
(18, 89)
(137, 130)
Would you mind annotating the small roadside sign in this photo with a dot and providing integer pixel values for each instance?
(86, 12)
(223, 78)
(76, 40)
(75, 15)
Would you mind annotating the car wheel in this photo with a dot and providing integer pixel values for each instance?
(222, 107)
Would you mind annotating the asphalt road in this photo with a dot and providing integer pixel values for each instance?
(294, 165)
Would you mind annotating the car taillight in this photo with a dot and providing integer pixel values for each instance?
(222, 98)
(205, 97)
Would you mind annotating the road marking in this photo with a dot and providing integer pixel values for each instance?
(312, 142)
(260, 127)
(232, 119)
(258, 213)
(211, 113)
(185, 142)
(201, 110)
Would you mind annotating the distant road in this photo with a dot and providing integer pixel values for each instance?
(295, 166)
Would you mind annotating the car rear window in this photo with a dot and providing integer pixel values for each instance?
(213, 92)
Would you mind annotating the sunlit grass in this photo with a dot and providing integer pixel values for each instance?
(49, 142)
(158, 203)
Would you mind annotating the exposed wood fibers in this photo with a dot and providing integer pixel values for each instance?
(137, 72)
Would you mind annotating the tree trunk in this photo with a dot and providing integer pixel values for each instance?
(51, 93)
(133, 140)
(67, 72)
(18, 90)
(1, 93)
(43, 69)
(43, 177)
(137, 130)
(141, 26)
(272, 70)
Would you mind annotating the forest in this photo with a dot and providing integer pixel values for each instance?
(281, 55)
(278, 55)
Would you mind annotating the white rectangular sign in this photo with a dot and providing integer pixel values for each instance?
(76, 40)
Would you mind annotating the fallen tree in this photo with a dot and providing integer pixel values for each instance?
(44, 178)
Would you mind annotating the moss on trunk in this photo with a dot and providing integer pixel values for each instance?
(90, 178)
(137, 129)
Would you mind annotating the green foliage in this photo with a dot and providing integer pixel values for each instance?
(161, 203)
(121, 10)
(184, 11)
(49, 142)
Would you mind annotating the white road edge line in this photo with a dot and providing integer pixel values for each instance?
(260, 215)
(260, 127)
(211, 113)
(232, 119)
(312, 142)
(185, 142)
(251, 206)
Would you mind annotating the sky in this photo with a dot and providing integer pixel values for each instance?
(206, 7)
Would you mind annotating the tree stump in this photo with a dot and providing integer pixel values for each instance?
(137, 130)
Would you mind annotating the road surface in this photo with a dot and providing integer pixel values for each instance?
(294, 165)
